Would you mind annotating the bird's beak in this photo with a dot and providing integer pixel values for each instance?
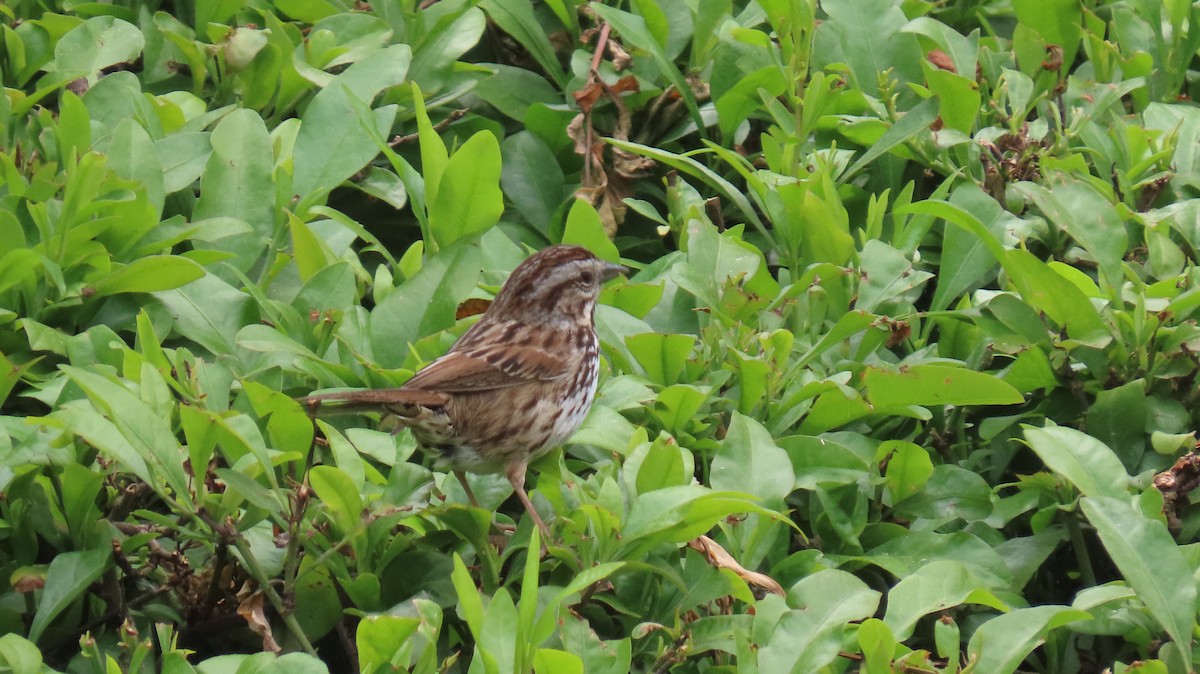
(610, 271)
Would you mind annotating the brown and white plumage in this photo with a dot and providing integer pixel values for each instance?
(517, 384)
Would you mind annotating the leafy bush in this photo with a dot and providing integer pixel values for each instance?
(903, 380)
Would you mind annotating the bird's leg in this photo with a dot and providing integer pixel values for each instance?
(462, 479)
(515, 472)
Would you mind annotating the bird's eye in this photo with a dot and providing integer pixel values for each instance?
(587, 278)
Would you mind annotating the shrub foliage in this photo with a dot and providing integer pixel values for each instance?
(902, 380)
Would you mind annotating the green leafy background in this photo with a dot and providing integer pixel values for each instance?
(902, 380)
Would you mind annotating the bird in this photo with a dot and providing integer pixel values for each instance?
(516, 385)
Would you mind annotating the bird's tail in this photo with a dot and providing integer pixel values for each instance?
(399, 401)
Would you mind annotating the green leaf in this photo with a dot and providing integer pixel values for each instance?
(331, 146)
(936, 385)
(963, 49)
(249, 489)
(384, 185)
(807, 638)
(534, 182)
(1087, 216)
(379, 638)
(517, 18)
(585, 229)
(439, 46)
(744, 99)
(966, 259)
(661, 357)
(1090, 465)
(498, 641)
(514, 92)
(80, 487)
(182, 157)
(145, 428)
(750, 461)
(425, 304)
(19, 655)
(1001, 644)
(470, 603)
(908, 468)
(312, 254)
(958, 97)
(434, 155)
(681, 513)
(1056, 21)
(818, 461)
(96, 44)
(1151, 562)
(527, 606)
(10, 374)
(960, 217)
(827, 236)
(238, 183)
(294, 663)
(468, 198)
(1118, 419)
(340, 497)
(711, 259)
(950, 492)
(686, 164)
(551, 661)
(134, 156)
(657, 465)
(888, 276)
(209, 312)
(67, 578)
(866, 35)
(937, 586)
(1061, 300)
(149, 274)
(914, 121)
(102, 434)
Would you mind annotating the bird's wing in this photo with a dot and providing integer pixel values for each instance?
(488, 367)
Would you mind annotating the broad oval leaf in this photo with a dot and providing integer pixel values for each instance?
(95, 44)
(750, 461)
(1088, 463)
(468, 199)
(67, 578)
(1001, 644)
(937, 385)
(1151, 562)
(339, 495)
(149, 274)
(809, 636)
(937, 586)
(331, 145)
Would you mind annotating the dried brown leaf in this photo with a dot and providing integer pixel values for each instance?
(252, 610)
(720, 558)
(942, 60)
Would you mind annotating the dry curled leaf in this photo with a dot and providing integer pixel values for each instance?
(252, 610)
(942, 60)
(1054, 57)
(606, 185)
(718, 557)
(1176, 483)
(27, 582)
(472, 306)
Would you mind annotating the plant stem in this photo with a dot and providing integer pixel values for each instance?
(1087, 574)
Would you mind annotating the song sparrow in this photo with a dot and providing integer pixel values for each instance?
(517, 384)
